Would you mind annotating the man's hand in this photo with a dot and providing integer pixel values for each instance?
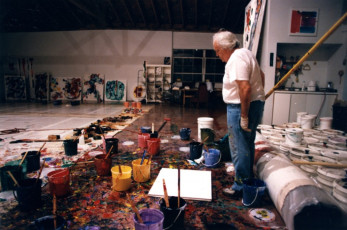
(244, 124)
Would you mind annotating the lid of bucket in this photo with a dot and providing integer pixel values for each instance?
(262, 215)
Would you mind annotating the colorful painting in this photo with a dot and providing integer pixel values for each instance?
(72, 88)
(15, 88)
(254, 14)
(116, 90)
(93, 88)
(303, 22)
(56, 89)
(41, 86)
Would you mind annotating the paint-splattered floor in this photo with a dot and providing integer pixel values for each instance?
(93, 205)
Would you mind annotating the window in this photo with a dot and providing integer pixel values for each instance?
(195, 65)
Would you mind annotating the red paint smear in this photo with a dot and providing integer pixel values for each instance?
(107, 215)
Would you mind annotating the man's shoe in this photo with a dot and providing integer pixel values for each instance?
(236, 194)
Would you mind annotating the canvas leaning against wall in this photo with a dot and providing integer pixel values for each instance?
(41, 86)
(15, 88)
(93, 88)
(66, 88)
(115, 90)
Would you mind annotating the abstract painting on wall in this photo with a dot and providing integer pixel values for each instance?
(93, 88)
(41, 86)
(254, 14)
(72, 88)
(115, 90)
(303, 22)
(15, 88)
(56, 89)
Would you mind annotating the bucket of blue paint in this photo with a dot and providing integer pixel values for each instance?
(185, 134)
(253, 190)
(70, 147)
(152, 219)
(28, 194)
(212, 157)
(32, 160)
(146, 129)
(47, 223)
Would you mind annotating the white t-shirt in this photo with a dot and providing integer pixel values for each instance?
(242, 65)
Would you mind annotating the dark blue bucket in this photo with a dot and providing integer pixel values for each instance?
(70, 147)
(28, 194)
(185, 133)
(112, 142)
(212, 158)
(253, 190)
(195, 150)
(47, 223)
(32, 160)
(6, 181)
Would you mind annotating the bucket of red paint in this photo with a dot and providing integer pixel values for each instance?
(152, 219)
(103, 165)
(32, 160)
(253, 190)
(139, 105)
(173, 216)
(59, 182)
(112, 142)
(142, 140)
(47, 223)
(28, 194)
(153, 146)
(70, 147)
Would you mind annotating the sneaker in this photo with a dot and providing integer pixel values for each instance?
(232, 193)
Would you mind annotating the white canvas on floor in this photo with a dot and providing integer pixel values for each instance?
(195, 184)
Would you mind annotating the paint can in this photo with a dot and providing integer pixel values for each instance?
(173, 216)
(153, 145)
(325, 123)
(306, 122)
(146, 129)
(103, 165)
(185, 133)
(141, 173)
(209, 134)
(134, 104)
(253, 190)
(47, 223)
(195, 150)
(152, 219)
(204, 122)
(126, 104)
(142, 140)
(6, 181)
(212, 157)
(59, 182)
(121, 182)
(299, 115)
(70, 147)
(154, 134)
(32, 160)
(112, 142)
(139, 105)
(294, 136)
(28, 194)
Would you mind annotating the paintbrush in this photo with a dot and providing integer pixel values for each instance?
(14, 179)
(55, 210)
(203, 144)
(164, 123)
(143, 156)
(150, 159)
(166, 197)
(109, 151)
(139, 218)
(25, 155)
(179, 187)
(43, 165)
(152, 127)
(120, 169)
(38, 152)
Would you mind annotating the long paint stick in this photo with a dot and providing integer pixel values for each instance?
(143, 157)
(109, 151)
(14, 179)
(25, 155)
(166, 197)
(152, 127)
(55, 210)
(41, 148)
(120, 169)
(203, 143)
(139, 218)
(179, 187)
(43, 165)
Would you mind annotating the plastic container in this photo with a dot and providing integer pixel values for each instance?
(142, 140)
(6, 181)
(173, 216)
(294, 136)
(212, 158)
(112, 142)
(103, 165)
(141, 173)
(152, 219)
(204, 122)
(59, 182)
(253, 190)
(121, 182)
(70, 147)
(325, 123)
(153, 145)
(28, 194)
(195, 150)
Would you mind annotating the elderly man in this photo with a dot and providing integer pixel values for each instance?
(243, 92)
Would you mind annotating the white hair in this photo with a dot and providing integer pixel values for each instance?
(226, 40)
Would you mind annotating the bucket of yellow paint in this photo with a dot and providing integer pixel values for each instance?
(121, 182)
(141, 173)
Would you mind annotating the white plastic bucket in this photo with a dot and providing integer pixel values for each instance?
(204, 123)
(306, 121)
(325, 122)
(294, 136)
(299, 115)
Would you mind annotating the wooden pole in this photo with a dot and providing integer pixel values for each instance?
(313, 48)
(320, 163)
